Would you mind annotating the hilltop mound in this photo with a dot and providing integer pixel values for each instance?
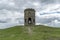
(36, 33)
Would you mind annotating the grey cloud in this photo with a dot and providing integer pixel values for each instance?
(47, 20)
(20, 20)
(37, 21)
(2, 21)
(47, 1)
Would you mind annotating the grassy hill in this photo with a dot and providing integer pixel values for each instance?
(30, 33)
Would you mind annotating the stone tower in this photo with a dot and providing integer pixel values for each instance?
(29, 16)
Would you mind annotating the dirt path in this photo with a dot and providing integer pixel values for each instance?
(30, 31)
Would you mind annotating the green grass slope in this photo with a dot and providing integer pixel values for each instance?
(35, 33)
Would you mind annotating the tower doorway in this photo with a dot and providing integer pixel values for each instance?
(29, 21)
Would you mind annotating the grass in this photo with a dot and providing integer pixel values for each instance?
(38, 33)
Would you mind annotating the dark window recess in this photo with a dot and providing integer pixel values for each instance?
(29, 20)
(33, 20)
(25, 20)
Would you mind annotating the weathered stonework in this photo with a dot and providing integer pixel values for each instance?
(29, 16)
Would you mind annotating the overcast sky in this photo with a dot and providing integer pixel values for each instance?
(12, 12)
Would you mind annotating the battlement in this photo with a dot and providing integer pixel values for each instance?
(29, 9)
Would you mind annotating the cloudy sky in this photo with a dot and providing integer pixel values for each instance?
(12, 12)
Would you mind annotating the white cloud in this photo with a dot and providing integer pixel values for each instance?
(36, 4)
